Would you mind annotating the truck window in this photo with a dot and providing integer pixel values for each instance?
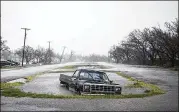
(76, 74)
(84, 75)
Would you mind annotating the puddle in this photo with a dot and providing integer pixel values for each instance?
(18, 80)
(47, 84)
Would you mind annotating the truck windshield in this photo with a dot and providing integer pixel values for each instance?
(98, 76)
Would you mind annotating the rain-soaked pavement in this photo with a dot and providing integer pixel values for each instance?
(164, 78)
(13, 74)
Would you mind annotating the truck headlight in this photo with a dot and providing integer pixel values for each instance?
(118, 88)
(86, 87)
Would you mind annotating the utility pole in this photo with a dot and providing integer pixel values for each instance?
(24, 43)
(49, 45)
(109, 56)
(49, 52)
(62, 53)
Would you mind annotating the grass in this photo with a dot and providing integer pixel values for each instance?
(68, 67)
(76, 66)
(9, 67)
(61, 71)
(10, 85)
(125, 76)
(135, 85)
(72, 68)
(151, 88)
(32, 77)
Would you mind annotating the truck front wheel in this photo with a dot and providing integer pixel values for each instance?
(67, 86)
(78, 92)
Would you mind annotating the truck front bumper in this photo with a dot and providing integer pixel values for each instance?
(101, 89)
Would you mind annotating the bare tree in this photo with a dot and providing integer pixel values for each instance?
(4, 47)
(39, 54)
(29, 53)
(149, 45)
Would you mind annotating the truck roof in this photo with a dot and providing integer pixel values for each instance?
(90, 70)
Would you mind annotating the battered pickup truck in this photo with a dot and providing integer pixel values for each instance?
(86, 81)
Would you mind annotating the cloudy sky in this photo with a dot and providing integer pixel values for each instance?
(85, 27)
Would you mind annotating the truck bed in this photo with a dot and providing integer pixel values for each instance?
(65, 79)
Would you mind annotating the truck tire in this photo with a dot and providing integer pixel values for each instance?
(61, 82)
(78, 92)
(67, 86)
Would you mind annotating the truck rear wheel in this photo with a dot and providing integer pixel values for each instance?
(78, 91)
(61, 82)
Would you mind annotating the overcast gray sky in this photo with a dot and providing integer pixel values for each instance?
(83, 26)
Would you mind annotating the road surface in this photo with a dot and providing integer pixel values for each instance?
(23, 72)
(164, 78)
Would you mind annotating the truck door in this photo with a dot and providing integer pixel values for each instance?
(74, 79)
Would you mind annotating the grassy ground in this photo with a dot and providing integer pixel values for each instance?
(151, 88)
(32, 77)
(72, 68)
(76, 66)
(10, 67)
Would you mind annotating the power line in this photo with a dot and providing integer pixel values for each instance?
(24, 43)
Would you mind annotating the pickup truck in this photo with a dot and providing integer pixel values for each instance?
(85, 81)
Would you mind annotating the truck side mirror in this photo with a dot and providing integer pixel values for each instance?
(111, 81)
(73, 78)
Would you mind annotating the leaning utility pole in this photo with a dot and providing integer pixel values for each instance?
(71, 55)
(62, 53)
(49, 52)
(49, 45)
(24, 43)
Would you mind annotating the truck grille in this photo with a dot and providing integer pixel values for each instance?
(102, 88)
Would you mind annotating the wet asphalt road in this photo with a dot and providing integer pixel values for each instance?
(164, 78)
(23, 72)
(12, 74)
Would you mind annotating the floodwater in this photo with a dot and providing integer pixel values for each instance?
(46, 84)
(50, 84)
